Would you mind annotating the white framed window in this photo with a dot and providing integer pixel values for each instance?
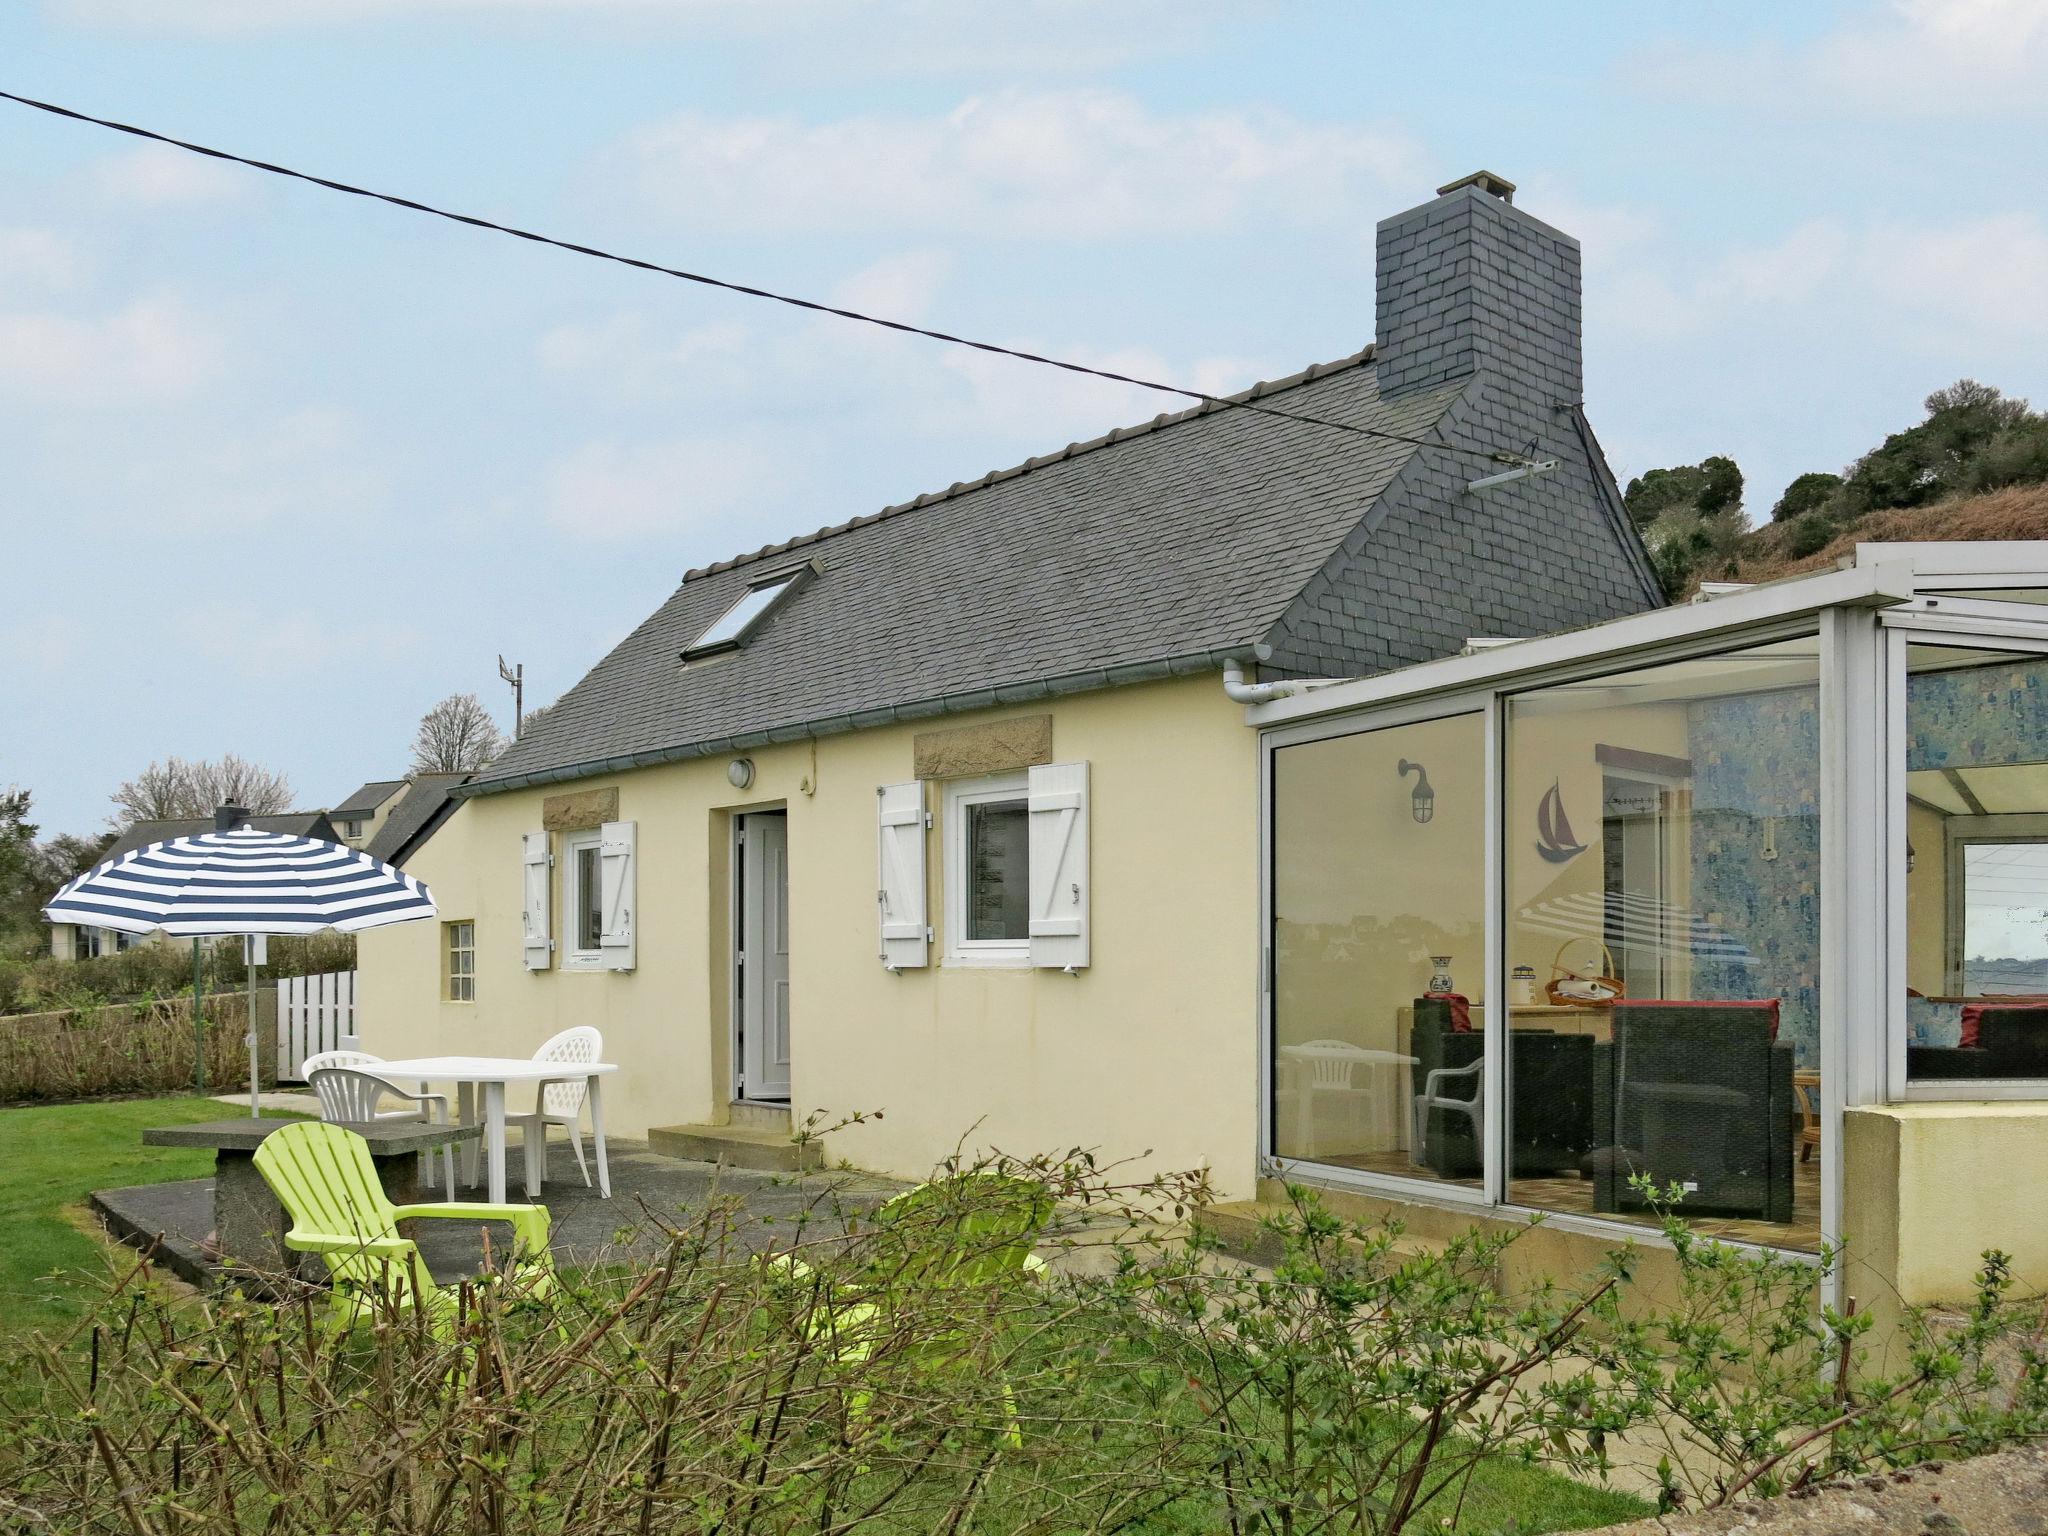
(460, 950)
(583, 900)
(599, 875)
(351, 829)
(988, 871)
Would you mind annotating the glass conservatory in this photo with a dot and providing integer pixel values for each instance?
(1664, 900)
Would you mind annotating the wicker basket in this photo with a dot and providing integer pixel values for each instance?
(1568, 988)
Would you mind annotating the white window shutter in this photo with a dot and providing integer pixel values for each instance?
(534, 926)
(1059, 864)
(617, 875)
(899, 891)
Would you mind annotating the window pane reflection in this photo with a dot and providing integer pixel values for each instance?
(1663, 889)
(1976, 864)
(1378, 945)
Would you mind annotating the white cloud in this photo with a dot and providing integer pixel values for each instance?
(151, 348)
(899, 287)
(159, 176)
(821, 38)
(617, 489)
(288, 638)
(1936, 58)
(1066, 165)
(38, 259)
(631, 348)
(1974, 285)
(42, 643)
(211, 470)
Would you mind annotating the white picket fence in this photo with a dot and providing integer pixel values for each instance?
(314, 1014)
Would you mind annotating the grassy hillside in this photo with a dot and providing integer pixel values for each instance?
(2017, 512)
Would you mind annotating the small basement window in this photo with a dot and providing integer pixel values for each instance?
(755, 604)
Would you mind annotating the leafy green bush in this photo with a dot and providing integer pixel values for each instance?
(98, 1050)
(1363, 1384)
(1811, 534)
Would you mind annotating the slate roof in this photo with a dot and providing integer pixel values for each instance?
(143, 833)
(364, 802)
(1162, 547)
(426, 805)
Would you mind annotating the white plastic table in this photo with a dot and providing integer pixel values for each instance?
(491, 1074)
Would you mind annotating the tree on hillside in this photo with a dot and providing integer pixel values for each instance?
(456, 736)
(1711, 486)
(177, 788)
(1809, 493)
(1691, 519)
(1974, 438)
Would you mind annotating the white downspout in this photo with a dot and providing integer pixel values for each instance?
(1238, 691)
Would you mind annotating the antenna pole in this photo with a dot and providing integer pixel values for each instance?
(516, 676)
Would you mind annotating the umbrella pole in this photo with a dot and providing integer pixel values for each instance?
(255, 1083)
(198, 1027)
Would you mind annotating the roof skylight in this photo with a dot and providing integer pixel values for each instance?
(754, 605)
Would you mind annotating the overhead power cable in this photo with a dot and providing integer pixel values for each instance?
(751, 291)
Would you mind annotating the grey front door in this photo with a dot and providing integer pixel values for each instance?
(761, 966)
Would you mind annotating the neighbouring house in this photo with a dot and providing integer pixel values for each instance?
(412, 817)
(357, 819)
(75, 941)
(950, 811)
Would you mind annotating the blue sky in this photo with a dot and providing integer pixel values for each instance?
(282, 468)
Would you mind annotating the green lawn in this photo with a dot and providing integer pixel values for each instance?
(50, 1158)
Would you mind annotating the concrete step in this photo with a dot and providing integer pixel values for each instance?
(762, 1148)
(1240, 1226)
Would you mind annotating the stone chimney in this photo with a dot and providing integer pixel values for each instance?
(230, 816)
(1468, 283)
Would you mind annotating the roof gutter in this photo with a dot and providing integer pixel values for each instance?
(1190, 665)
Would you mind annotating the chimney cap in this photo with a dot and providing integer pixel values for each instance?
(230, 816)
(1485, 181)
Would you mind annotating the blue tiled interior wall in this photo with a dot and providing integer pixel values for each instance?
(1758, 756)
(1984, 715)
(1754, 757)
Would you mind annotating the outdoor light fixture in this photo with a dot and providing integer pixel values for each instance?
(1423, 800)
(739, 773)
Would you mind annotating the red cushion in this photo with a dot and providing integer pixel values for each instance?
(1461, 1010)
(1973, 1016)
(1699, 1002)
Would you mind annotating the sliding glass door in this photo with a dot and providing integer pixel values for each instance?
(1378, 950)
(1662, 884)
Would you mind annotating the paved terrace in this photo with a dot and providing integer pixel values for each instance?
(645, 1186)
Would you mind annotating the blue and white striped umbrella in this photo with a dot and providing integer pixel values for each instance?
(241, 882)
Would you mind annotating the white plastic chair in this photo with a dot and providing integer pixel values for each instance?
(347, 1095)
(1329, 1066)
(356, 1060)
(559, 1103)
(1433, 1097)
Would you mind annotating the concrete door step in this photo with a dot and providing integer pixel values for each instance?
(765, 1149)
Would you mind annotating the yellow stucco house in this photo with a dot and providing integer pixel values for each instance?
(1310, 785)
(944, 812)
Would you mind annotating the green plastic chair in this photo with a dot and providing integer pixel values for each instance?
(323, 1176)
(970, 1230)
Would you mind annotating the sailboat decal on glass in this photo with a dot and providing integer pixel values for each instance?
(1555, 839)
